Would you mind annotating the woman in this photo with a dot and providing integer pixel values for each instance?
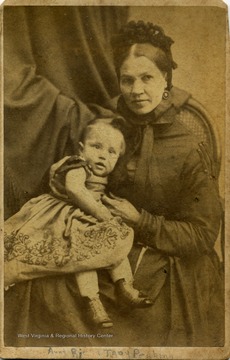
(172, 199)
(172, 204)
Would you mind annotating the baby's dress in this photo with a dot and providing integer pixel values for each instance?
(51, 236)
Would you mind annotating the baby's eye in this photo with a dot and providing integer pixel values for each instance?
(96, 146)
(112, 151)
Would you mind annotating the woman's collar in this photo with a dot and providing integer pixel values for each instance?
(176, 99)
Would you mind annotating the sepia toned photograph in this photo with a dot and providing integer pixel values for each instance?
(115, 186)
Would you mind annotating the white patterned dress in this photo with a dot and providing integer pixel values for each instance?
(51, 236)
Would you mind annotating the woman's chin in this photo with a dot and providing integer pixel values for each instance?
(141, 110)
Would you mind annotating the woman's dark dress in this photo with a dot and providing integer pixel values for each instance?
(180, 220)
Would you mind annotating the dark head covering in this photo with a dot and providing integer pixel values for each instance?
(151, 42)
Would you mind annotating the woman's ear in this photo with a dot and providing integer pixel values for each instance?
(81, 147)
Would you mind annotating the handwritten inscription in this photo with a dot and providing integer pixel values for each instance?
(134, 353)
(100, 352)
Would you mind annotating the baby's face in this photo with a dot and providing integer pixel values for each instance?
(102, 148)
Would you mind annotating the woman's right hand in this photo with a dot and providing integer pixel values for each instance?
(122, 208)
(104, 214)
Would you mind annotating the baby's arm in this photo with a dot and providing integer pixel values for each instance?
(82, 198)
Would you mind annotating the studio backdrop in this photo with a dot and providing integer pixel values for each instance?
(53, 56)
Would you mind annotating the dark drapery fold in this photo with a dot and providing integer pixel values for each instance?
(71, 46)
(53, 57)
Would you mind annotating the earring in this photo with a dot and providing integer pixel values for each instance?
(165, 95)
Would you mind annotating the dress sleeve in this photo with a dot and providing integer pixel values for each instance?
(58, 173)
(195, 226)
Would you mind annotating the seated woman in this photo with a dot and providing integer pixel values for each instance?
(172, 204)
(172, 199)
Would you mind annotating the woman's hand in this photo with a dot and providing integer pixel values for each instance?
(121, 207)
(103, 213)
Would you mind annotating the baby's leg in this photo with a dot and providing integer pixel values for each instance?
(88, 287)
(87, 282)
(121, 271)
(127, 295)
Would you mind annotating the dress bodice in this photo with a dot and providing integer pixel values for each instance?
(96, 185)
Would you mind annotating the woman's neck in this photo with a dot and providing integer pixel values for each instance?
(131, 117)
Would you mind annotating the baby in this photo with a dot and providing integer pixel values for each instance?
(80, 233)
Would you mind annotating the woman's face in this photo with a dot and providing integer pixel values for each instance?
(142, 84)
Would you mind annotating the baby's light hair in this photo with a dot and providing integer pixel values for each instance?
(117, 122)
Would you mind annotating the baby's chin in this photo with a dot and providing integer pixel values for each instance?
(100, 173)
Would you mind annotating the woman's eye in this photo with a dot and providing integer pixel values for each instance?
(147, 77)
(126, 81)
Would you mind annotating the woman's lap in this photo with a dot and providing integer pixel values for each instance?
(52, 305)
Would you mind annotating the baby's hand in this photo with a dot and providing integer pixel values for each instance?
(104, 214)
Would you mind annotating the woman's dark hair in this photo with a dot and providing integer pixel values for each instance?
(144, 33)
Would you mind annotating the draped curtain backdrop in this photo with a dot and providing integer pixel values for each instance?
(54, 58)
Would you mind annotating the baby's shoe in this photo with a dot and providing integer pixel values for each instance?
(96, 313)
(128, 297)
